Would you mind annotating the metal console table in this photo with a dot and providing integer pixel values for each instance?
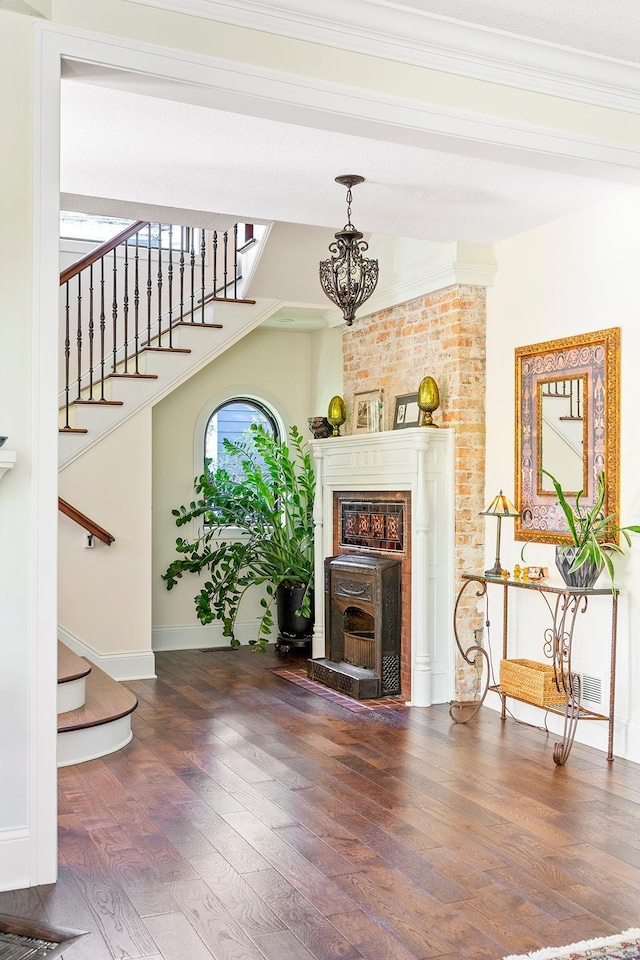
(564, 604)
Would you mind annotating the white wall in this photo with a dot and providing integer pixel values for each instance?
(266, 364)
(104, 594)
(326, 368)
(570, 277)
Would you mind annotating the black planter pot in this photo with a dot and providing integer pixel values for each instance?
(291, 628)
(584, 577)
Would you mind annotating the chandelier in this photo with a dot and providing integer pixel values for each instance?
(346, 276)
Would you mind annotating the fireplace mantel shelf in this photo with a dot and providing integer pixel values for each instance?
(421, 461)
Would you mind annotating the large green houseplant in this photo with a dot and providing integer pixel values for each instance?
(594, 537)
(256, 515)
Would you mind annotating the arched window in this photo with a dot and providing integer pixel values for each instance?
(230, 420)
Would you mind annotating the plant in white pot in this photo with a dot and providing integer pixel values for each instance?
(256, 510)
(594, 538)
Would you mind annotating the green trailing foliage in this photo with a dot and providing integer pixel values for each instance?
(256, 514)
(594, 534)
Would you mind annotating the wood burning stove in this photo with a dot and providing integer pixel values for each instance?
(362, 623)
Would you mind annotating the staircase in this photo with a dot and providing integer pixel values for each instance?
(94, 711)
(138, 320)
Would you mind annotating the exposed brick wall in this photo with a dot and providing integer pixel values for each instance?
(442, 335)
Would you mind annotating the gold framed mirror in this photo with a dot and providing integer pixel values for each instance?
(567, 422)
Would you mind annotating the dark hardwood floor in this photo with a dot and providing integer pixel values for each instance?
(250, 819)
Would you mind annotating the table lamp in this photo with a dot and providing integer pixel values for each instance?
(500, 507)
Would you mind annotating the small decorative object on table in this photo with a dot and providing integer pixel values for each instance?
(320, 428)
(367, 411)
(536, 573)
(407, 412)
(337, 414)
(428, 400)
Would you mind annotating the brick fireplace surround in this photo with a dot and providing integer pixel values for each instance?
(441, 334)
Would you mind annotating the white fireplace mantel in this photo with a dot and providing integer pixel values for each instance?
(419, 460)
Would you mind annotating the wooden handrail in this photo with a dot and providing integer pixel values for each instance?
(84, 521)
(101, 251)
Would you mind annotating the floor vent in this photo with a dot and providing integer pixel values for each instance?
(591, 689)
(30, 940)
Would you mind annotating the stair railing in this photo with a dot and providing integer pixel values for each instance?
(128, 295)
(86, 522)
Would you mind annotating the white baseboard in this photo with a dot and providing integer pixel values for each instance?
(140, 665)
(14, 859)
(193, 636)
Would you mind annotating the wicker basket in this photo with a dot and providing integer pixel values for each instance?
(531, 681)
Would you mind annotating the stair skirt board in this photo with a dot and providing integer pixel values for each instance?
(71, 694)
(89, 743)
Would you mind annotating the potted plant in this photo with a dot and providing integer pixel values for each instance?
(256, 511)
(594, 538)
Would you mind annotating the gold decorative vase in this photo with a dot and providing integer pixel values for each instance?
(337, 414)
(428, 400)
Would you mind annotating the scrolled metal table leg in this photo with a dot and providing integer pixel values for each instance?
(461, 711)
(562, 749)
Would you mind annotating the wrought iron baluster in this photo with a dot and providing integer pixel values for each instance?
(159, 285)
(149, 285)
(67, 356)
(79, 337)
(225, 240)
(235, 261)
(114, 310)
(91, 332)
(215, 263)
(181, 271)
(192, 261)
(103, 326)
(203, 258)
(136, 307)
(170, 281)
(125, 307)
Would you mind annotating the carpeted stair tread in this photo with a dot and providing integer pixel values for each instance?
(105, 700)
(70, 665)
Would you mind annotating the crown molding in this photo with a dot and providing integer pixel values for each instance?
(376, 28)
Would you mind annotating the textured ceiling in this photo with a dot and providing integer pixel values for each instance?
(156, 151)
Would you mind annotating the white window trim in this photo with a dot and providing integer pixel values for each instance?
(236, 392)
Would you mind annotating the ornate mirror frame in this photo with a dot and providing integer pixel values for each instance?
(595, 357)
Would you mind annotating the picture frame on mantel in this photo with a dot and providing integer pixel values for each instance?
(368, 409)
(407, 413)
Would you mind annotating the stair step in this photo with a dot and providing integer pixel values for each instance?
(197, 325)
(106, 700)
(150, 349)
(131, 376)
(70, 665)
(72, 674)
(101, 726)
(97, 403)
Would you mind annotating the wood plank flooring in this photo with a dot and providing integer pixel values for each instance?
(250, 819)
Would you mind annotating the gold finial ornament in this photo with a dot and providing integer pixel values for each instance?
(337, 414)
(428, 400)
